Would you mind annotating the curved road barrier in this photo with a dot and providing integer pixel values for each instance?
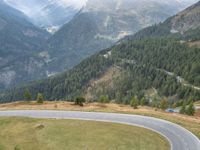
(179, 138)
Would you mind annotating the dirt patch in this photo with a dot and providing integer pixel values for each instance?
(106, 81)
(194, 43)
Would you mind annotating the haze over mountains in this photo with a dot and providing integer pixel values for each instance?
(155, 63)
(48, 13)
(91, 27)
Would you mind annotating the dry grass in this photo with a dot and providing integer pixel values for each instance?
(190, 123)
(51, 134)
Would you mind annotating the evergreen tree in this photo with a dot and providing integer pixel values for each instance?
(190, 110)
(134, 102)
(27, 95)
(183, 108)
(142, 101)
(40, 98)
(163, 104)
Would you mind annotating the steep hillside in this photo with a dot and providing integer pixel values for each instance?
(176, 26)
(164, 65)
(100, 24)
(160, 65)
(19, 39)
(97, 26)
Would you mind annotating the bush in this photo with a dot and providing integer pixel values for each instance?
(40, 98)
(104, 99)
(79, 101)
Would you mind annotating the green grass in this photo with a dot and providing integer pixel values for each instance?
(27, 134)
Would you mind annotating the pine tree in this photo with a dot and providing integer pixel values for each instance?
(163, 104)
(40, 98)
(27, 95)
(134, 103)
(183, 109)
(190, 110)
(142, 101)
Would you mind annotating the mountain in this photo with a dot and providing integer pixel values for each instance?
(92, 25)
(19, 39)
(100, 24)
(50, 14)
(186, 20)
(154, 66)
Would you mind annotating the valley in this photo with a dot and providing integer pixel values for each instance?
(92, 27)
(100, 74)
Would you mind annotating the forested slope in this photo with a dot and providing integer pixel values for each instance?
(154, 59)
(144, 65)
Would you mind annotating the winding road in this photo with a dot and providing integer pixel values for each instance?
(179, 138)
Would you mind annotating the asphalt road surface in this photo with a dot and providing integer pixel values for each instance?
(179, 138)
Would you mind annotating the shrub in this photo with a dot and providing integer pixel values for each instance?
(79, 101)
(104, 99)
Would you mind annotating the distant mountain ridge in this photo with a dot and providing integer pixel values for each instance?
(19, 39)
(178, 24)
(37, 55)
(100, 24)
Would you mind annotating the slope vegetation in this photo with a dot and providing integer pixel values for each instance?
(100, 24)
(160, 61)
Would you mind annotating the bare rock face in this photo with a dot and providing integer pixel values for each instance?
(187, 19)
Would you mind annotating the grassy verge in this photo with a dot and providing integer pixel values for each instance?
(188, 122)
(47, 134)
